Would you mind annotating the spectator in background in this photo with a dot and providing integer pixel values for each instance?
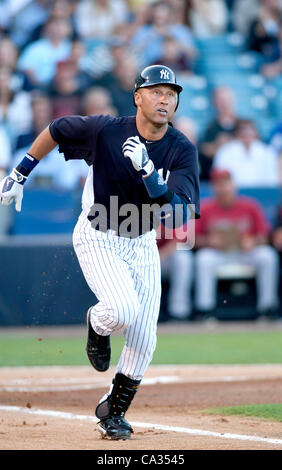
(208, 17)
(41, 108)
(15, 107)
(65, 90)
(189, 128)
(58, 9)
(233, 229)
(8, 59)
(77, 51)
(174, 57)
(177, 266)
(121, 84)
(148, 40)
(77, 56)
(27, 20)
(5, 17)
(180, 11)
(273, 68)
(54, 173)
(97, 100)
(244, 12)
(219, 130)
(275, 142)
(39, 60)
(65, 10)
(251, 162)
(97, 19)
(8, 53)
(263, 35)
(100, 63)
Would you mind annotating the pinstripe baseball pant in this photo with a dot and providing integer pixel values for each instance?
(124, 275)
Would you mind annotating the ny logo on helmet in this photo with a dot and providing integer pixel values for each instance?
(164, 74)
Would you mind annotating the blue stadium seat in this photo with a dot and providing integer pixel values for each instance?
(46, 212)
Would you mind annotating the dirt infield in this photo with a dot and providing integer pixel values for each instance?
(53, 408)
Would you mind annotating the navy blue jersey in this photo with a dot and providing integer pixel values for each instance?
(99, 139)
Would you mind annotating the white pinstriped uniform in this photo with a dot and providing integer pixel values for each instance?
(124, 275)
(122, 272)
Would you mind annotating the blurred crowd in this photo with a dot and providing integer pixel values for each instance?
(61, 57)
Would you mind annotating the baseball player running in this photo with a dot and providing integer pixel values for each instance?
(134, 162)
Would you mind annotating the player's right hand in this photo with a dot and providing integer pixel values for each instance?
(136, 151)
(11, 189)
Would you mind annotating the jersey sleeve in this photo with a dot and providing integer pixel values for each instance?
(184, 177)
(77, 135)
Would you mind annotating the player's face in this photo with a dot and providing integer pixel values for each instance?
(224, 190)
(157, 103)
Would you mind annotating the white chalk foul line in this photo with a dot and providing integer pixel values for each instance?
(162, 427)
(105, 383)
(89, 386)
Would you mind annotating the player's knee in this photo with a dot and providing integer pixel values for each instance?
(150, 349)
(153, 345)
(125, 311)
(147, 347)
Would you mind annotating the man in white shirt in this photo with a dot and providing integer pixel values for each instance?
(251, 162)
(40, 58)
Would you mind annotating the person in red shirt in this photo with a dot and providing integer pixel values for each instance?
(233, 229)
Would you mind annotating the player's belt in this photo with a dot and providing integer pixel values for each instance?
(106, 227)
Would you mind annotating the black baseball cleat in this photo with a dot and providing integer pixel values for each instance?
(98, 348)
(110, 410)
(115, 428)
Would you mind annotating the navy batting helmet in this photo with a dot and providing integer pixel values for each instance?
(157, 75)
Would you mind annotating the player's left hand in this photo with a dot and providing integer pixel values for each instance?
(137, 152)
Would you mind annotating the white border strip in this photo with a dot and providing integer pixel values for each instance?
(162, 427)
